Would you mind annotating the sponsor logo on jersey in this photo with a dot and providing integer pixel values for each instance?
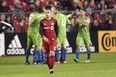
(52, 23)
(51, 27)
(15, 47)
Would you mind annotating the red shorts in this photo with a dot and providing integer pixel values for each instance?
(51, 46)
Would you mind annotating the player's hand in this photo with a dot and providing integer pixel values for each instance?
(45, 39)
(78, 21)
(57, 40)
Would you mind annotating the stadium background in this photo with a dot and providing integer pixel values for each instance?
(103, 36)
(16, 12)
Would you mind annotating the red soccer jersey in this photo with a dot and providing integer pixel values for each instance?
(49, 28)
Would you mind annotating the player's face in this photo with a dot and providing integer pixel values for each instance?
(55, 11)
(48, 13)
(82, 12)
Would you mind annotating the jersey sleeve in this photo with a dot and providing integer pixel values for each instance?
(41, 29)
(58, 19)
(56, 29)
(77, 24)
(67, 21)
(88, 20)
(69, 15)
(32, 18)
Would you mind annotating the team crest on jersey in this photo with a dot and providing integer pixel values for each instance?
(44, 23)
(52, 27)
(52, 23)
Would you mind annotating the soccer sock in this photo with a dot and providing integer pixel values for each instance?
(27, 53)
(88, 54)
(40, 56)
(57, 55)
(36, 56)
(64, 54)
(77, 53)
(43, 57)
(50, 62)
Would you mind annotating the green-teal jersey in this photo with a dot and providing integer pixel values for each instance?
(34, 22)
(83, 30)
(62, 22)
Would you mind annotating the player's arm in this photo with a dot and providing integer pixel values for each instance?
(58, 20)
(77, 23)
(32, 19)
(68, 16)
(86, 23)
(41, 32)
(67, 19)
(56, 29)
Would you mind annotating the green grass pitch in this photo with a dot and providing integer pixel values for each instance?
(102, 65)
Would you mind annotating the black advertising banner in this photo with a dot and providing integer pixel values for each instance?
(71, 36)
(15, 43)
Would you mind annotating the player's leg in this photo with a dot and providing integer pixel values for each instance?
(57, 55)
(57, 52)
(63, 51)
(87, 43)
(27, 52)
(43, 56)
(51, 57)
(48, 58)
(79, 42)
(37, 49)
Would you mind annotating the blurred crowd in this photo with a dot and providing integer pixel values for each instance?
(16, 12)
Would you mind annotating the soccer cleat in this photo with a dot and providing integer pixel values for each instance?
(88, 61)
(57, 62)
(27, 63)
(51, 71)
(64, 62)
(76, 60)
(35, 63)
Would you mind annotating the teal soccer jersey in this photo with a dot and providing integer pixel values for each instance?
(34, 37)
(62, 22)
(83, 32)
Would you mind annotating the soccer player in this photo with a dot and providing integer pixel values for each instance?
(34, 37)
(62, 22)
(83, 35)
(49, 29)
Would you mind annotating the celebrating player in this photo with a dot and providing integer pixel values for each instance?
(62, 22)
(49, 29)
(34, 37)
(83, 35)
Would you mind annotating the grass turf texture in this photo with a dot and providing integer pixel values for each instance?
(102, 65)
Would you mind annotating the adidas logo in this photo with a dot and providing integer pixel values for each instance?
(15, 47)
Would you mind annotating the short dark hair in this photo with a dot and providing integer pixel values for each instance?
(58, 7)
(83, 9)
(39, 8)
(48, 7)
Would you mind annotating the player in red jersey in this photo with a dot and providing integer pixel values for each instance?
(49, 31)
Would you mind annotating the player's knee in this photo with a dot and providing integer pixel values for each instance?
(78, 47)
(29, 47)
(88, 47)
(38, 47)
(64, 46)
(51, 53)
